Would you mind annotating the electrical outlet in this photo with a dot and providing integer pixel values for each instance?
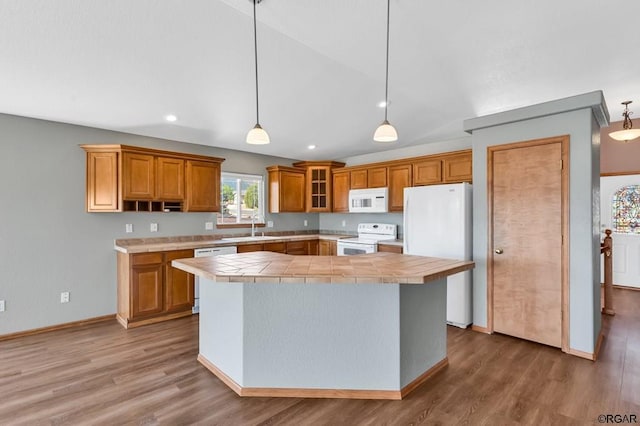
(344, 223)
(64, 297)
(208, 226)
(1, 305)
(269, 224)
(305, 222)
(153, 227)
(128, 228)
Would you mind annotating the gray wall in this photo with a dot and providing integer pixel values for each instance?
(49, 244)
(584, 219)
(332, 222)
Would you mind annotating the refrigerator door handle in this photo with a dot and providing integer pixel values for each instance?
(406, 219)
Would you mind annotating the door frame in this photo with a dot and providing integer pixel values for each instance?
(564, 144)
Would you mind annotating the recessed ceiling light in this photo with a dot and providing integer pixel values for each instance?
(170, 118)
(311, 147)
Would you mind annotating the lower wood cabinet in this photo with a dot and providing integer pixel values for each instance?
(389, 248)
(299, 247)
(328, 248)
(151, 290)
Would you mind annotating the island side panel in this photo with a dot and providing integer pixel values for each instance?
(423, 328)
(322, 336)
(221, 326)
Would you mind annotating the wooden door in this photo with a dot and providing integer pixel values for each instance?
(170, 179)
(399, 178)
(146, 284)
(341, 185)
(203, 186)
(139, 176)
(179, 285)
(377, 177)
(527, 259)
(427, 172)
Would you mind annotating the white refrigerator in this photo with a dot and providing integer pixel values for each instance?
(438, 223)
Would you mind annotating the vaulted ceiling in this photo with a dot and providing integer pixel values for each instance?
(125, 64)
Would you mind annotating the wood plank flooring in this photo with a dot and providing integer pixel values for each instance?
(103, 374)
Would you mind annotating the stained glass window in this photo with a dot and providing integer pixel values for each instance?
(626, 210)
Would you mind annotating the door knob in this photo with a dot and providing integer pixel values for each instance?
(499, 251)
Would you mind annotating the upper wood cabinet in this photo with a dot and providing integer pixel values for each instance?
(399, 179)
(128, 178)
(427, 172)
(341, 186)
(458, 168)
(286, 189)
(203, 186)
(170, 178)
(318, 184)
(376, 177)
(359, 179)
(138, 176)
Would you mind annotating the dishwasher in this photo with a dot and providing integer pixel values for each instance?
(207, 252)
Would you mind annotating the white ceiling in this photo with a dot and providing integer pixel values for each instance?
(125, 64)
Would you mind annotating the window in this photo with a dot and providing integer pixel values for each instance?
(626, 210)
(242, 199)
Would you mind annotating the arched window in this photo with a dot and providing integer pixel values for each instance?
(626, 210)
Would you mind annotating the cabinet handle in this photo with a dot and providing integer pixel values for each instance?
(499, 251)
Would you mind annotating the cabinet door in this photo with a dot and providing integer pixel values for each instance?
(389, 248)
(341, 185)
(457, 168)
(377, 177)
(203, 186)
(359, 179)
(169, 179)
(146, 290)
(297, 247)
(313, 247)
(427, 172)
(399, 178)
(138, 176)
(319, 189)
(327, 248)
(245, 248)
(276, 247)
(178, 284)
(102, 182)
(291, 192)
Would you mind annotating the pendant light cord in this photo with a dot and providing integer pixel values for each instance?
(386, 84)
(255, 52)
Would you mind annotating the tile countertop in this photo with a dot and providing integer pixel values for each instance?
(269, 267)
(145, 245)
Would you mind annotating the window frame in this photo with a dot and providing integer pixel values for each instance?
(260, 216)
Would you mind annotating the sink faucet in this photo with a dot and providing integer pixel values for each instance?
(253, 224)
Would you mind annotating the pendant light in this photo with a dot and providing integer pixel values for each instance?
(386, 132)
(628, 133)
(257, 135)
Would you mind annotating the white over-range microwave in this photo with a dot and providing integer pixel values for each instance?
(370, 200)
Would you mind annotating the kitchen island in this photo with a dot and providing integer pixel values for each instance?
(370, 326)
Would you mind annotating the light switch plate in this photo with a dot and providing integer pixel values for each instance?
(305, 222)
(64, 297)
(269, 224)
(1, 305)
(153, 227)
(208, 226)
(128, 228)
(344, 223)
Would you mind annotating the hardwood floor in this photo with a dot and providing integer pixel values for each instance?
(104, 374)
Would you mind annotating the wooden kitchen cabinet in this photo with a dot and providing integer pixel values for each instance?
(246, 248)
(203, 186)
(359, 179)
(318, 183)
(399, 178)
(150, 290)
(376, 177)
(297, 247)
(286, 189)
(313, 247)
(427, 172)
(280, 247)
(341, 186)
(128, 178)
(170, 178)
(458, 168)
(328, 248)
(389, 248)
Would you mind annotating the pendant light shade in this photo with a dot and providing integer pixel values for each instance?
(627, 133)
(257, 135)
(386, 132)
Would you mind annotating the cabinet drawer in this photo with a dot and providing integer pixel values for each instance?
(297, 247)
(276, 247)
(389, 248)
(146, 258)
(245, 248)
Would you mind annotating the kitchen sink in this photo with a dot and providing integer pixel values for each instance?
(243, 239)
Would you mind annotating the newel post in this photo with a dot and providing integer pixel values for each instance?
(607, 250)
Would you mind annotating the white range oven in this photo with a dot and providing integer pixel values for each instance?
(367, 240)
